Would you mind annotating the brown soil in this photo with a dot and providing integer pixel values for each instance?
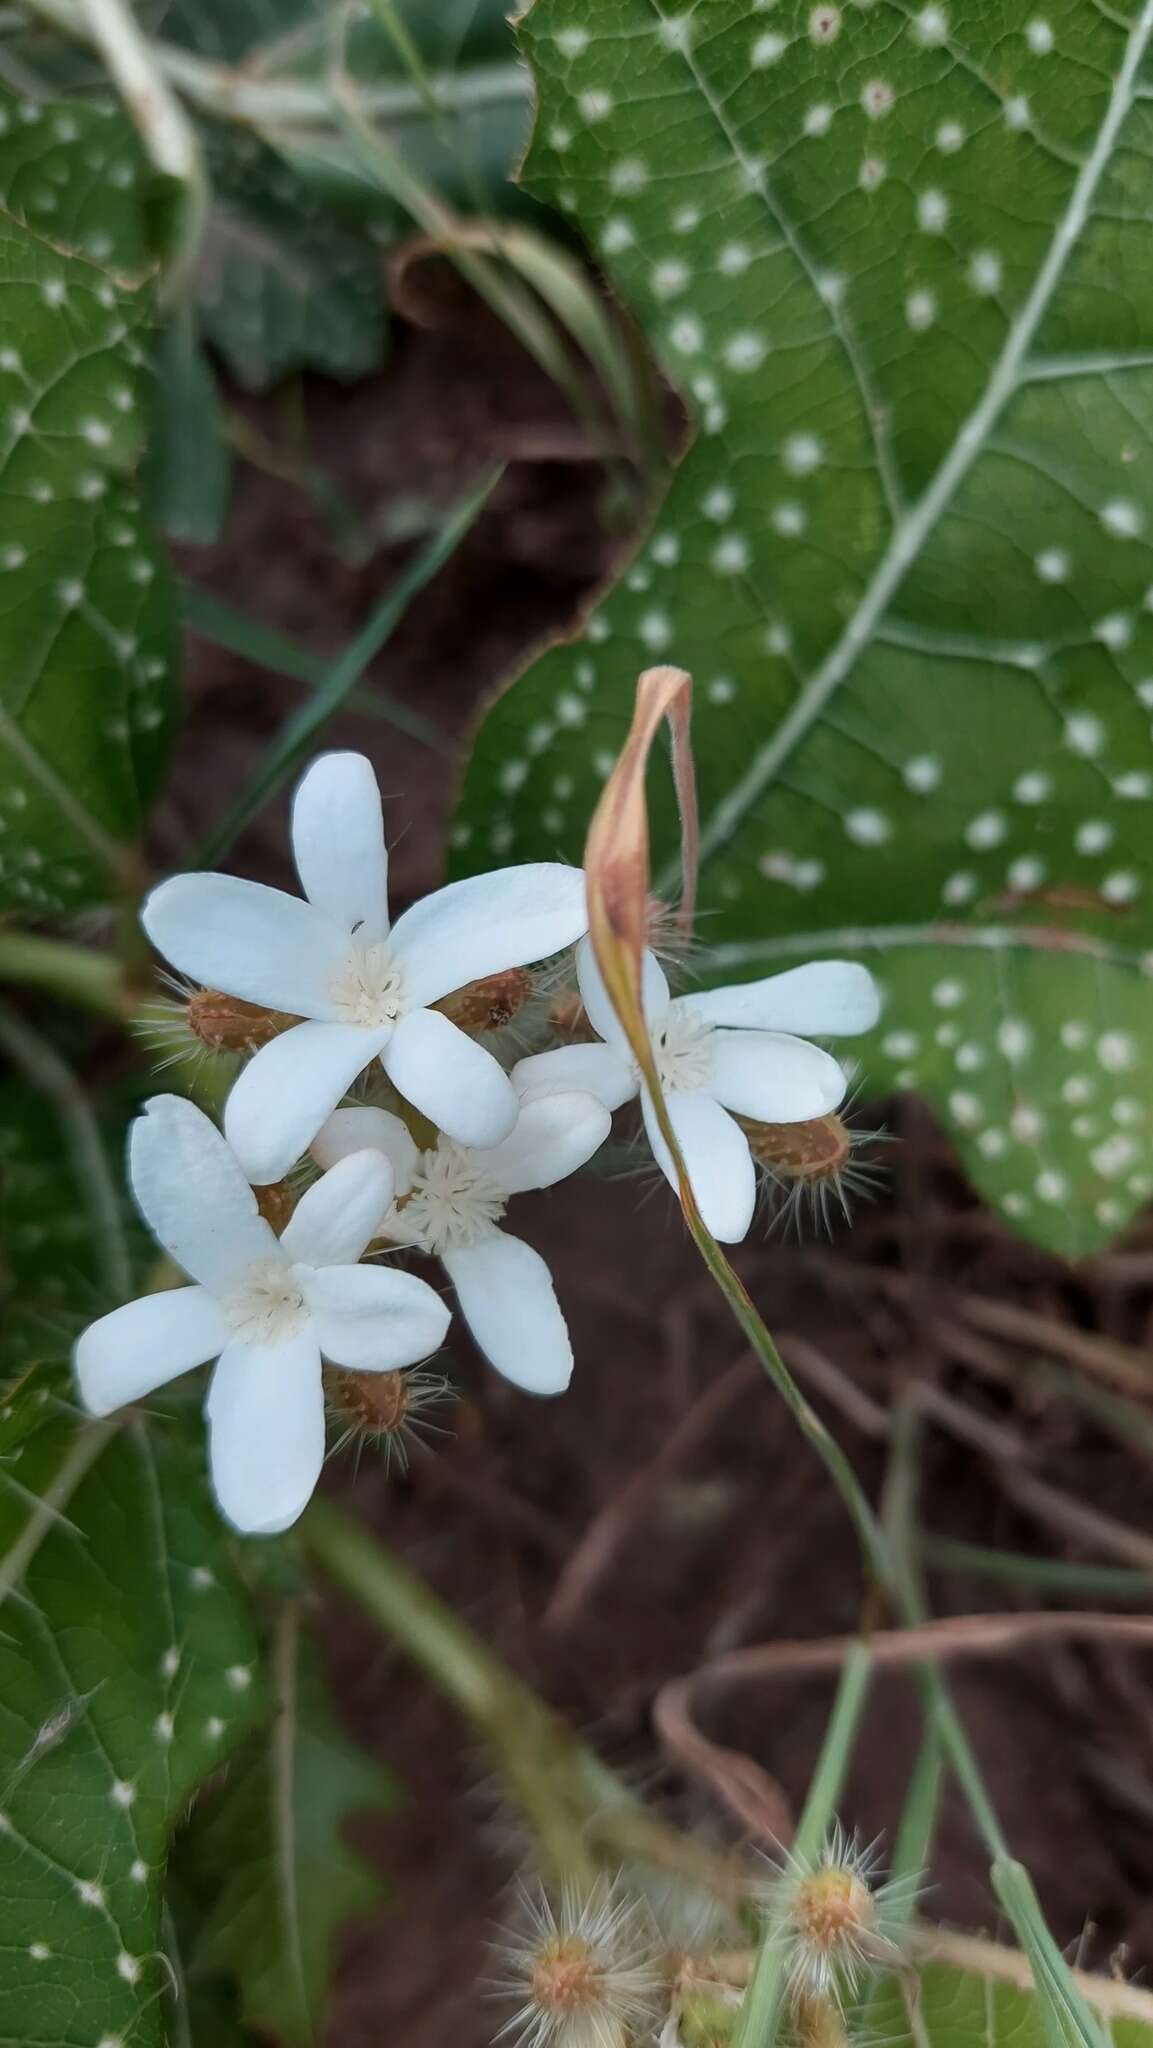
(737, 1537)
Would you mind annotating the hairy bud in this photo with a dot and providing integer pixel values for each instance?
(566, 1014)
(276, 1203)
(584, 1972)
(817, 1150)
(488, 1004)
(394, 1410)
(839, 1924)
(818, 2023)
(229, 1024)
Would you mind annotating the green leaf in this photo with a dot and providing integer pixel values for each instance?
(269, 1853)
(959, 2007)
(85, 609)
(188, 474)
(125, 1677)
(285, 283)
(126, 1654)
(903, 273)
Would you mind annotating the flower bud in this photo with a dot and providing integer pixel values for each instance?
(838, 1925)
(585, 1972)
(488, 1004)
(229, 1024)
(566, 1014)
(394, 1410)
(818, 2023)
(817, 1150)
(276, 1202)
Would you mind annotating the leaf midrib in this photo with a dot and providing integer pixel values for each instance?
(1052, 940)
(911, 532)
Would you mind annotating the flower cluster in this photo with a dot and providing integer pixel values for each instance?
(329, 997)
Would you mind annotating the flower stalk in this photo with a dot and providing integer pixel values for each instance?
(585, 1819)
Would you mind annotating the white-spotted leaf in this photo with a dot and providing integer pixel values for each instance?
(126, 1676)
(85, 611)
(899, 259)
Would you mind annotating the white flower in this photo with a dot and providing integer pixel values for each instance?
(365, 990)
(266, 1307)
(725, 1050)
(449, 1201)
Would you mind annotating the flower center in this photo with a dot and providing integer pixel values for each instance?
(369, 989)
(267, 1306)
(453, 1202)
(681, 1046)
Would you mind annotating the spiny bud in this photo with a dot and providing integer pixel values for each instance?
(817, 1150)
(584, 1971)
(818, 2023)
(707, 2018)
(815, 1167)
(229, 1024)
(276, 1202)
(566, 1014)
(838, 1925)
(396, 1410)
(488, 1004)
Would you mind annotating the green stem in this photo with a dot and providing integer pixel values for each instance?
(235, 95)
(535, 1752)
(761, 2010)
(166, 133)
(93, 981)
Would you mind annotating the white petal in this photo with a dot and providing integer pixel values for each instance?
(552, 1136)
(374, 1318)
(717, 1156)
(595, 996)
(450, 1078)
(193, 1194)
(288, 1089)
(598, 1070)
(487, 923)
(141, 1346)
(778, 1079)
(248, 940)
(507, 1299)
(336, 1218)
(338, 841)
(358, 1127)
(265, 1412)
(826, 999)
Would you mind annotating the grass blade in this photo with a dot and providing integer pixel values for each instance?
(300, 732)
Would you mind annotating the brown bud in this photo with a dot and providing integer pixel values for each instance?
(276, 1203)
(813, 1151)
(566, 1014)
(377, 1400)
(488, 1004)
(229, 1024)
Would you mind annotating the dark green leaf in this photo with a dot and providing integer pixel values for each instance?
(284, 282)
(85, 609)
(126, 1668)
(188, 473)
(902, 269)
